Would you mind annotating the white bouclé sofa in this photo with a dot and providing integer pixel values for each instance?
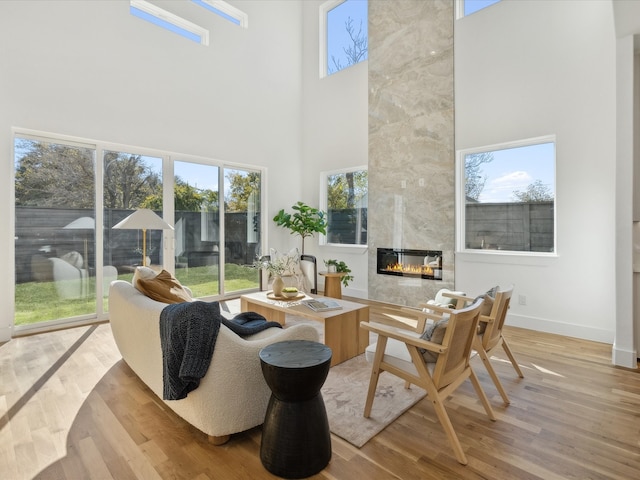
(233, 395)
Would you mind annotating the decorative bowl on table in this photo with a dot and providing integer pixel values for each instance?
(290, 292)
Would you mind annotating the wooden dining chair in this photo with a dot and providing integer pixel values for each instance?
(403, 354)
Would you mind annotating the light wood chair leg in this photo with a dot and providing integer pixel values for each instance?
(492, 373)
(507, 350)
(375, 374)
(483, 397)
(441, 412)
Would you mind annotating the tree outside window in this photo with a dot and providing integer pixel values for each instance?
(346, 205)
(346, 41)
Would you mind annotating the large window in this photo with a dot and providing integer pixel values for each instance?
(507, 197)
(69, 193)
(344, 38)
(344, 198)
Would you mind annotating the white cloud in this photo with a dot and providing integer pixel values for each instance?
(501, 189)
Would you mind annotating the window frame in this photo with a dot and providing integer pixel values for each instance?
(461, 202)
(322, 239)
(169, 21)
(226, 11)
(323, 36)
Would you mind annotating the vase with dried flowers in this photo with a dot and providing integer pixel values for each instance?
(276, 267)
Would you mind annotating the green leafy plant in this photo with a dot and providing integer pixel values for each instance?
(305, 221)
(341, 267)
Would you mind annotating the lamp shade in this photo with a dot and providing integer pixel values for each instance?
(143, 219)
(82, 223)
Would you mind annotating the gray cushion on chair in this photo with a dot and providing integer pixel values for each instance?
(434, 333)
(489, 297)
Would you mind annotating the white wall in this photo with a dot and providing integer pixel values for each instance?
(530, 68)
(92, 70)
(334, 136)
(523, 69)
(623, 346)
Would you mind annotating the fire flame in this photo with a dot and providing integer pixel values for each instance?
(410, 269)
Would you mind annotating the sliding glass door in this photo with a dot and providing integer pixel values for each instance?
(197, 227)
(69, 194)
(54, 230)
(212, 230)
(242, 228)
(130, 181)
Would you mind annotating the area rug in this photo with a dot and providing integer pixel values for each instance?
(345, 391)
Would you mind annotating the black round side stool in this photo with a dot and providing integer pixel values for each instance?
(296, 442)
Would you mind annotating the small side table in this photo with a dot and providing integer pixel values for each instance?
(333, 284)
(296, 442)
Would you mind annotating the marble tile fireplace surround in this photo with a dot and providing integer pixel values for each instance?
(411, 143)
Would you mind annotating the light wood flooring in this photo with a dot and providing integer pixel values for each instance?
(70, 408)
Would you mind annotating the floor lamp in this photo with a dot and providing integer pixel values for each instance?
(84, 223)
(143, 219)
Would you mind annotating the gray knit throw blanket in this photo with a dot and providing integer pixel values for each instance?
(188, 333)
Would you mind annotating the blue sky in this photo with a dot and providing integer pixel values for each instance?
(197, 175)
(472, 6)
(515, 169)
(337, 36)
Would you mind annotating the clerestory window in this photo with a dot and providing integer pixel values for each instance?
(169, 21)
(467, 7)
(344, 38)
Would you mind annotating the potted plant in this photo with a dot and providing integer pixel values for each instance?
(305, 221)
(339, 266)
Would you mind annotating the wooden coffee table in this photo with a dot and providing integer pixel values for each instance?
(342, 331)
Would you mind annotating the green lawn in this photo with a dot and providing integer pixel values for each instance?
(38, 301)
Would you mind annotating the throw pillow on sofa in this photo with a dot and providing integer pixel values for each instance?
(143, 273)
(164, 288)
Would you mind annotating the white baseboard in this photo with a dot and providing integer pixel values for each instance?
(355, 293)
(5, 334)
(624, 358)
(560, 328)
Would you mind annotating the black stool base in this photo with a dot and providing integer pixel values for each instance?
(296, 442)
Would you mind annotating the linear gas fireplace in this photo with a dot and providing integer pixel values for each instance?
(410, 263)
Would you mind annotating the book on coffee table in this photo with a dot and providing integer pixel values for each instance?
(323, 305)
